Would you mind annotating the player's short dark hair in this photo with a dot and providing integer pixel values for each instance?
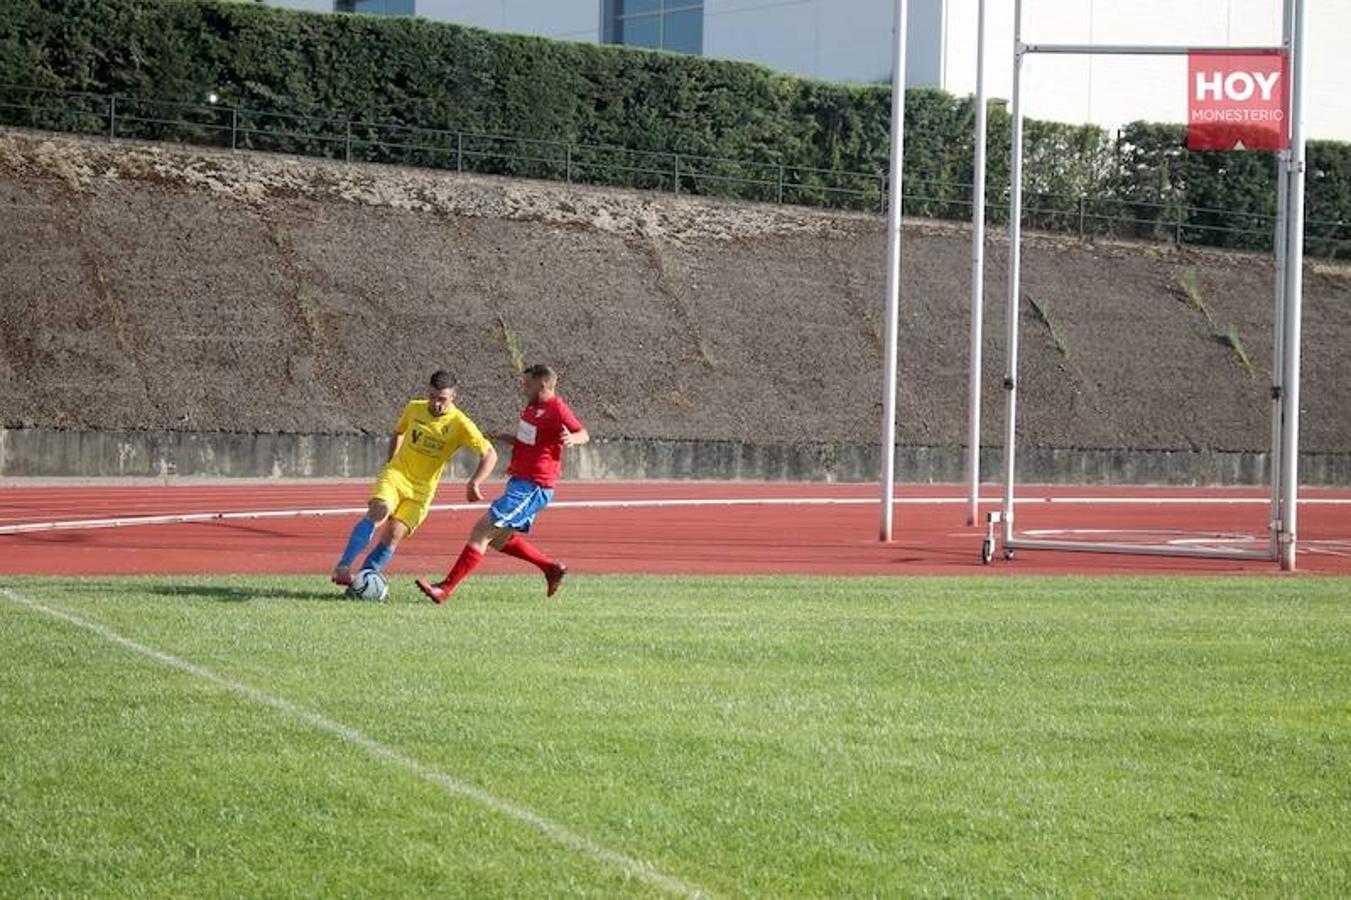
(540, 372)
(441, 379)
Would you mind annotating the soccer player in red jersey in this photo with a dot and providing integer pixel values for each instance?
(546, 426)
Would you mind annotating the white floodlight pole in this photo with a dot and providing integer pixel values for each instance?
(1015, 263)
(1282, 238)
(977, 277)
(893, 267)
(1294, 295)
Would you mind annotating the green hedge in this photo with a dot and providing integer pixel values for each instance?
(326, 84)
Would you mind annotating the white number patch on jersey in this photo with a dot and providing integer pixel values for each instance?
(526, 433)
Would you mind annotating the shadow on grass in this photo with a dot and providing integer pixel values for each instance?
(221, 593)
(243, 594)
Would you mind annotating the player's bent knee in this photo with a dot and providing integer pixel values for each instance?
(378, 511)
(395, 531)
(483, 529)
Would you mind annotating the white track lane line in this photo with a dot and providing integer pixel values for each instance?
(631, 867)
(187, 518)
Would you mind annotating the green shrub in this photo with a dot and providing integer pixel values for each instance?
(335, 85)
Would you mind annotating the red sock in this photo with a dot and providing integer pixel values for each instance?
(518, 547)
(468, 562)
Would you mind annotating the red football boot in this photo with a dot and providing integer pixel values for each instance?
(554, 577)
(437, 593)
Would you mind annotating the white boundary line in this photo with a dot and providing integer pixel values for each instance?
(187, 518)
(559, 834)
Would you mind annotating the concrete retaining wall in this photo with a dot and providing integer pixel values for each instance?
(49, 452)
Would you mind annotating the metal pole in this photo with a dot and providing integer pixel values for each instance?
(1137, 49)
(893, 266)
(676, 180)
(1278, 319)
(112, 117)
(977, 279)
(1278, 351)
(1294, 295)
(781, 182)
(1015, 274)
(568, 157)
(459, 151)
(347, 146)
(234, 129)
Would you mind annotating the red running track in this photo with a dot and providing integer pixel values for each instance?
(838, 536)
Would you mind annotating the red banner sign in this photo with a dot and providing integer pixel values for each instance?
(1237, 101)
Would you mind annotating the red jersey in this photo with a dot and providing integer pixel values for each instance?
(537, 452)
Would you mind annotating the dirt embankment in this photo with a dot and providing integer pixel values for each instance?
(167, 288)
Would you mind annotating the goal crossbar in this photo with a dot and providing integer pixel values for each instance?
(1137, 49)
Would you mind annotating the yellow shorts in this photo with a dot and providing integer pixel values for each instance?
(407, 501)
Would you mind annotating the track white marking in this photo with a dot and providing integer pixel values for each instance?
(246, 515)
(559, 834)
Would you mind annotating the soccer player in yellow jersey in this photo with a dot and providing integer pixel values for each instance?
(428, 434)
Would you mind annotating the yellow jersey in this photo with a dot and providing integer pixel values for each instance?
(430, 441)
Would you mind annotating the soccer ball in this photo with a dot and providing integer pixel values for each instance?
(368, 584)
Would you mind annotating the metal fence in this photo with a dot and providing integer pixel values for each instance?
(679, 173)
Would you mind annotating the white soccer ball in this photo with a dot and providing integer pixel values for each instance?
(368, 584)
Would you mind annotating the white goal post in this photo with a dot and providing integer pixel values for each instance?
(1289, 247)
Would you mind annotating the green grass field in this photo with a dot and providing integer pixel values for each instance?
(641, 736)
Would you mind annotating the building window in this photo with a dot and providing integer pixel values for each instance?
(676, 25)
(375, 7)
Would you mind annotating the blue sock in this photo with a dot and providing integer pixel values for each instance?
(379, 557)
(361, 536)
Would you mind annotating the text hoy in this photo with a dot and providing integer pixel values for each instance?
(1237, 87)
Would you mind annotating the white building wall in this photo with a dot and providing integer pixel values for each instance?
(832, 39)
(926, 51)
(570, 20)
(573, 20)
(850, 40)
(307, 5)
(1111, 91)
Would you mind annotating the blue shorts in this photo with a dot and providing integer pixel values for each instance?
(517, 507)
